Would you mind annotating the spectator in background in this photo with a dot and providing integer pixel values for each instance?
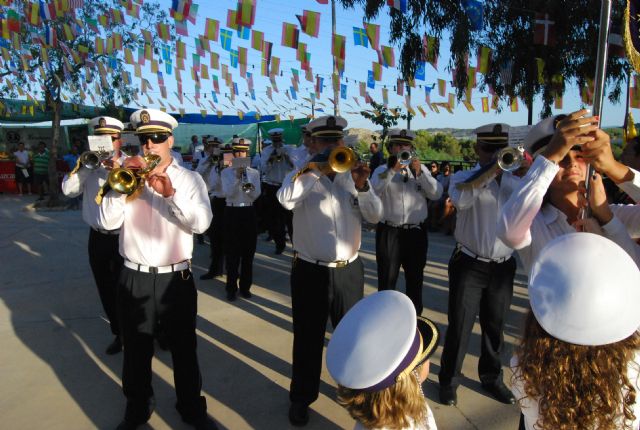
(23, 161)
(377, 158)
(444, 176)
(433, 168)
(72, 159)
(192, 145)
(41, 169)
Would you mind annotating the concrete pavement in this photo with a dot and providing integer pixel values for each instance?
(55, 374)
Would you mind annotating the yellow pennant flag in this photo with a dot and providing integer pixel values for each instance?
(540, 66)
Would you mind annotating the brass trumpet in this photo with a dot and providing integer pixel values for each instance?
(510, 158)
(91, 160)
(129, 181)
(247, 187)
(341, 159)
(405, 157)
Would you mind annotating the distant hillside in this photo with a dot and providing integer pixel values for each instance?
(365, 135)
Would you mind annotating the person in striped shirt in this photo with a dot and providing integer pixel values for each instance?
(41, 169)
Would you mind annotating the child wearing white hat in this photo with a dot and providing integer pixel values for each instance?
(578, 363)
(379, 357)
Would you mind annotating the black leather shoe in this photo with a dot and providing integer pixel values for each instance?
(448, 395)
(299, 414)
(207, 275)
(205, 423)
(500, 392)
(114, 347)
(126, 425)
(246, 294)
(231, 296)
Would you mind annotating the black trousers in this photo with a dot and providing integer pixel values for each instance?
(277, 215)
(240, 230)
(106, 262)
(397, 247)
(216, 235)
(318, 292)
(476, 286)
(149, 302)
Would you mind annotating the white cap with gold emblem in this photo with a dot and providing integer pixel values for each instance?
(328, 127)
(493, 134)
(153, 121)
(105, 125)
(401, 136)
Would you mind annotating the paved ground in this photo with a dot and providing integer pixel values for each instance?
(55, 375)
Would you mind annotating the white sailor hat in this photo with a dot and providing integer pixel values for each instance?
(401, 136)
(266, 142)
(584, 289)
(105, 125)
(213, 140)
(493, 134)
(275, 132)
(328, 126)
(540, 134)
(379, 341)
(153, 121)
(241, 144)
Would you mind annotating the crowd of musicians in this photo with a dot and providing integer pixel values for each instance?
(318, 194)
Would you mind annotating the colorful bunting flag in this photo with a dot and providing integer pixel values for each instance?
(360, 37)
(338, 44)
(400, 5)
(442, 87)
(211, 29)
(257, 37)
(388, 56)
(309, 22)
(290, 34)
(246, 13)
(485, 104)
(225, 39)
(484, 59)
(373, 33)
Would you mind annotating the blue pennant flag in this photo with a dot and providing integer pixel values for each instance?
(214, 97)
(225, 39)
(253, 94)
(244, 33)
(420, 71)
(474, 12)
(293, 93)
(235, 89)
(360, 37)
(234, 58)
(168, 66)
(343, 91)
(371, 83)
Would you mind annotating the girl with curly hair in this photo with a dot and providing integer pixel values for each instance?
(379, 357)
(578, 363)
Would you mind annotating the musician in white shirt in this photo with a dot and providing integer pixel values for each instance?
(481, 270)
(401, 236)
(104, 258)
(210, 168)
(241, 187)
(275, 164)
(156, 287)
(327, 276)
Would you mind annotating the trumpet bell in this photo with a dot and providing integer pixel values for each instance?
(90, 160)
(123, 180)
(342, 159)
(405, 158)
(510, 159)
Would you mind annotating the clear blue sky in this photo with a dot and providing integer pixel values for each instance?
(269, 17)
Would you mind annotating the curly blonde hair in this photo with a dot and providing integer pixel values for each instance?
(394, 407)
(576, 386)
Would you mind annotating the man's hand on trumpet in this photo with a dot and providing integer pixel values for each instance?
(360, 173)
(416, 166)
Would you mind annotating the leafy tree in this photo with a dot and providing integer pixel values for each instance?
(65, 53)
(385, 117)
(508, 30)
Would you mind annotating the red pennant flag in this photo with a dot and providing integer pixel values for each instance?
(544, 32)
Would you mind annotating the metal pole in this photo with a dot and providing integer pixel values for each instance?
(409, 113)
(600, 79)
(336, 91)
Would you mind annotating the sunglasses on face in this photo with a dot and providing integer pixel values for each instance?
(155, 138)
(114, 138)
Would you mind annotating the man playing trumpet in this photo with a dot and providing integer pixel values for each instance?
(327, 275)
(241, 187)
(275, 162)
(404, 185)
(104, 259)
(156, 290)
